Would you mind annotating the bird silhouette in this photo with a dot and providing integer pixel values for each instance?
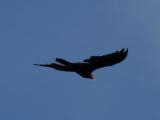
(86, 67)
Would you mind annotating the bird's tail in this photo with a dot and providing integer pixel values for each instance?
(62, 61)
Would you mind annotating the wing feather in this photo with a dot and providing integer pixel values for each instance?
(107, 60)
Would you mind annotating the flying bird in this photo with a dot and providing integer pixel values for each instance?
(86, 67)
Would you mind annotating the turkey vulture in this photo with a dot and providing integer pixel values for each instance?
(86, 67)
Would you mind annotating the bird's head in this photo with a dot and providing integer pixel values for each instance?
(87, 74)
(92, 77)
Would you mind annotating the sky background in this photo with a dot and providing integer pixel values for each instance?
(38, 31)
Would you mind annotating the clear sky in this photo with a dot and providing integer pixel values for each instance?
(38, 31)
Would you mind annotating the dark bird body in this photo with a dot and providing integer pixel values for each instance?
(86, 67)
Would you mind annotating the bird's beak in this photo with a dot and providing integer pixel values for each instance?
(93, 77)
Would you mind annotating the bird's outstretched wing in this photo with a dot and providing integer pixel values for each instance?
(57, 66)
(107, 60)
(63, 61)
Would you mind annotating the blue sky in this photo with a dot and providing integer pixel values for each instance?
(37, 31)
